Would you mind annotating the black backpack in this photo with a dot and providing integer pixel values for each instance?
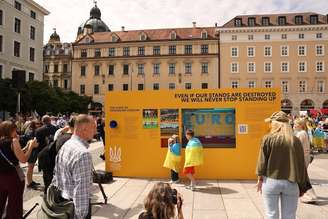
(47, 157)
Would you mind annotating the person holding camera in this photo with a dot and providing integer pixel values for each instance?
(173, 158)
(162, 202)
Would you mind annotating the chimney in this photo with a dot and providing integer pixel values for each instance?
(194, 23)
(216, 24)
(123, 28)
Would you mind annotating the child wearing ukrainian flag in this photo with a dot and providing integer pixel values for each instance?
(173, 158)
(193, 157)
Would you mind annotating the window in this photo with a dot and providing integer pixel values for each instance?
(1, 42)
(188, 68)
(56, 68)
(114, 38)
(143, 37)
(33, 14)
(302, 66)
(234, 52)
(65, 84)
(82, 89)
(96, 89)
(55, 83)
(17, 26)
(234, 67)
(267, 36)
(251, 84)
(156, 50)
(204, 49)
(141, 69)
(125, 87)
(234, 84)
(18, 5)
(250, 37)
(204, 68)
(32, 33)
(1, 17)
(298, 20)
(268, 84)
(302, 86)
(32, 54)
(204, 85)
(125, 69)
(156, 86)
(319, 50)
(140, 86)
(251, 67)
(30, 76)
(110, 87)
(268, 67)
(204, 35)
(171, 68)
(234, 37)
(267, 51)
(188, 49)
(187, 86)
(320, 66)
(320, 86)
(65, 68)
(281, 20)
(301, 35)
(1, 70)
(284, 50)
(250, 51)
(284, 67)
(16, 49)
(97, 70)
(83, 53)
(284, 86)
(313, 19)
(265, 21)
(97, 53)
(141, 51)
(46, 68)
(302, 50)
(171, 86)
(238, 22)
(83, 71)
(172, 50)
(173, 36)
(284, 36)
(111, 70)
(156, 68)
(318, 35)
(251, 21)
(111, 51)
(126, 51)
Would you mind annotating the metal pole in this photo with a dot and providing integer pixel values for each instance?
(18, 103)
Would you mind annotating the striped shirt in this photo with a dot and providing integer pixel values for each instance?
(73, 174)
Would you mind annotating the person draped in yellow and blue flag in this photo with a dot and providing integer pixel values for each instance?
(193, 157)
(173, 158)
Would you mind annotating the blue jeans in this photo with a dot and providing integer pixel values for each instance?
(286, 191)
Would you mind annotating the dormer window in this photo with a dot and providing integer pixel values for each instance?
(204, 34)
(114, 38)
(143, 37)
(314, 19)
(298, 20)
(265, 21)
(281, 20)
(173, 35)
(238, 22)
(251, 21)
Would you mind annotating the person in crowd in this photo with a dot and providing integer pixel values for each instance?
(73, 169)
(12, 177)
(162, 202)
(319, 137)
(300, 129)
(173, 158)
(20, 124)
(101, 134)
(193, 157)
(281, 169)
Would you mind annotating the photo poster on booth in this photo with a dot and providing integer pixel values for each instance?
(169, 124)
(150, 118)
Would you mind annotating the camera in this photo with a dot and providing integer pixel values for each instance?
(174, 196)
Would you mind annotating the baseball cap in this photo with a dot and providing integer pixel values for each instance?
(279, 116)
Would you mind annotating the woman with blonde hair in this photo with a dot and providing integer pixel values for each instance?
(281, 169)
(162, 202)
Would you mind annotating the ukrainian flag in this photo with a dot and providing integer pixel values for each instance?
(173, 158)
(194, 153)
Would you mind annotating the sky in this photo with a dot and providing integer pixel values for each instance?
(67, 15)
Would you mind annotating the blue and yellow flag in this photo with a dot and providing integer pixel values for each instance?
(194, 153)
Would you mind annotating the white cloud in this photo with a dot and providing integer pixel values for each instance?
(67, 15)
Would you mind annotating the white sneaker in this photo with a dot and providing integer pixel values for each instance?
(307, 199)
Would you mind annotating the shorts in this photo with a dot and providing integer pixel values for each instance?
(33, 157)
(189, 170)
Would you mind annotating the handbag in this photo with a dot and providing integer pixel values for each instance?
(18, 169)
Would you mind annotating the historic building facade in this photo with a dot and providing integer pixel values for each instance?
(57, 63)
(288, 51)
(175, 58)
(21, 38)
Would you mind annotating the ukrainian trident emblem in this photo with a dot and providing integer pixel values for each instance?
(115, 154)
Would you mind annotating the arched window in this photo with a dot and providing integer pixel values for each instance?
(143, 37)
(325, 104)
(173, 35)
(307, 105)
(204, 34)
(286, 105)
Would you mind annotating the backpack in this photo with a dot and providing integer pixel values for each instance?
(47, 157)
